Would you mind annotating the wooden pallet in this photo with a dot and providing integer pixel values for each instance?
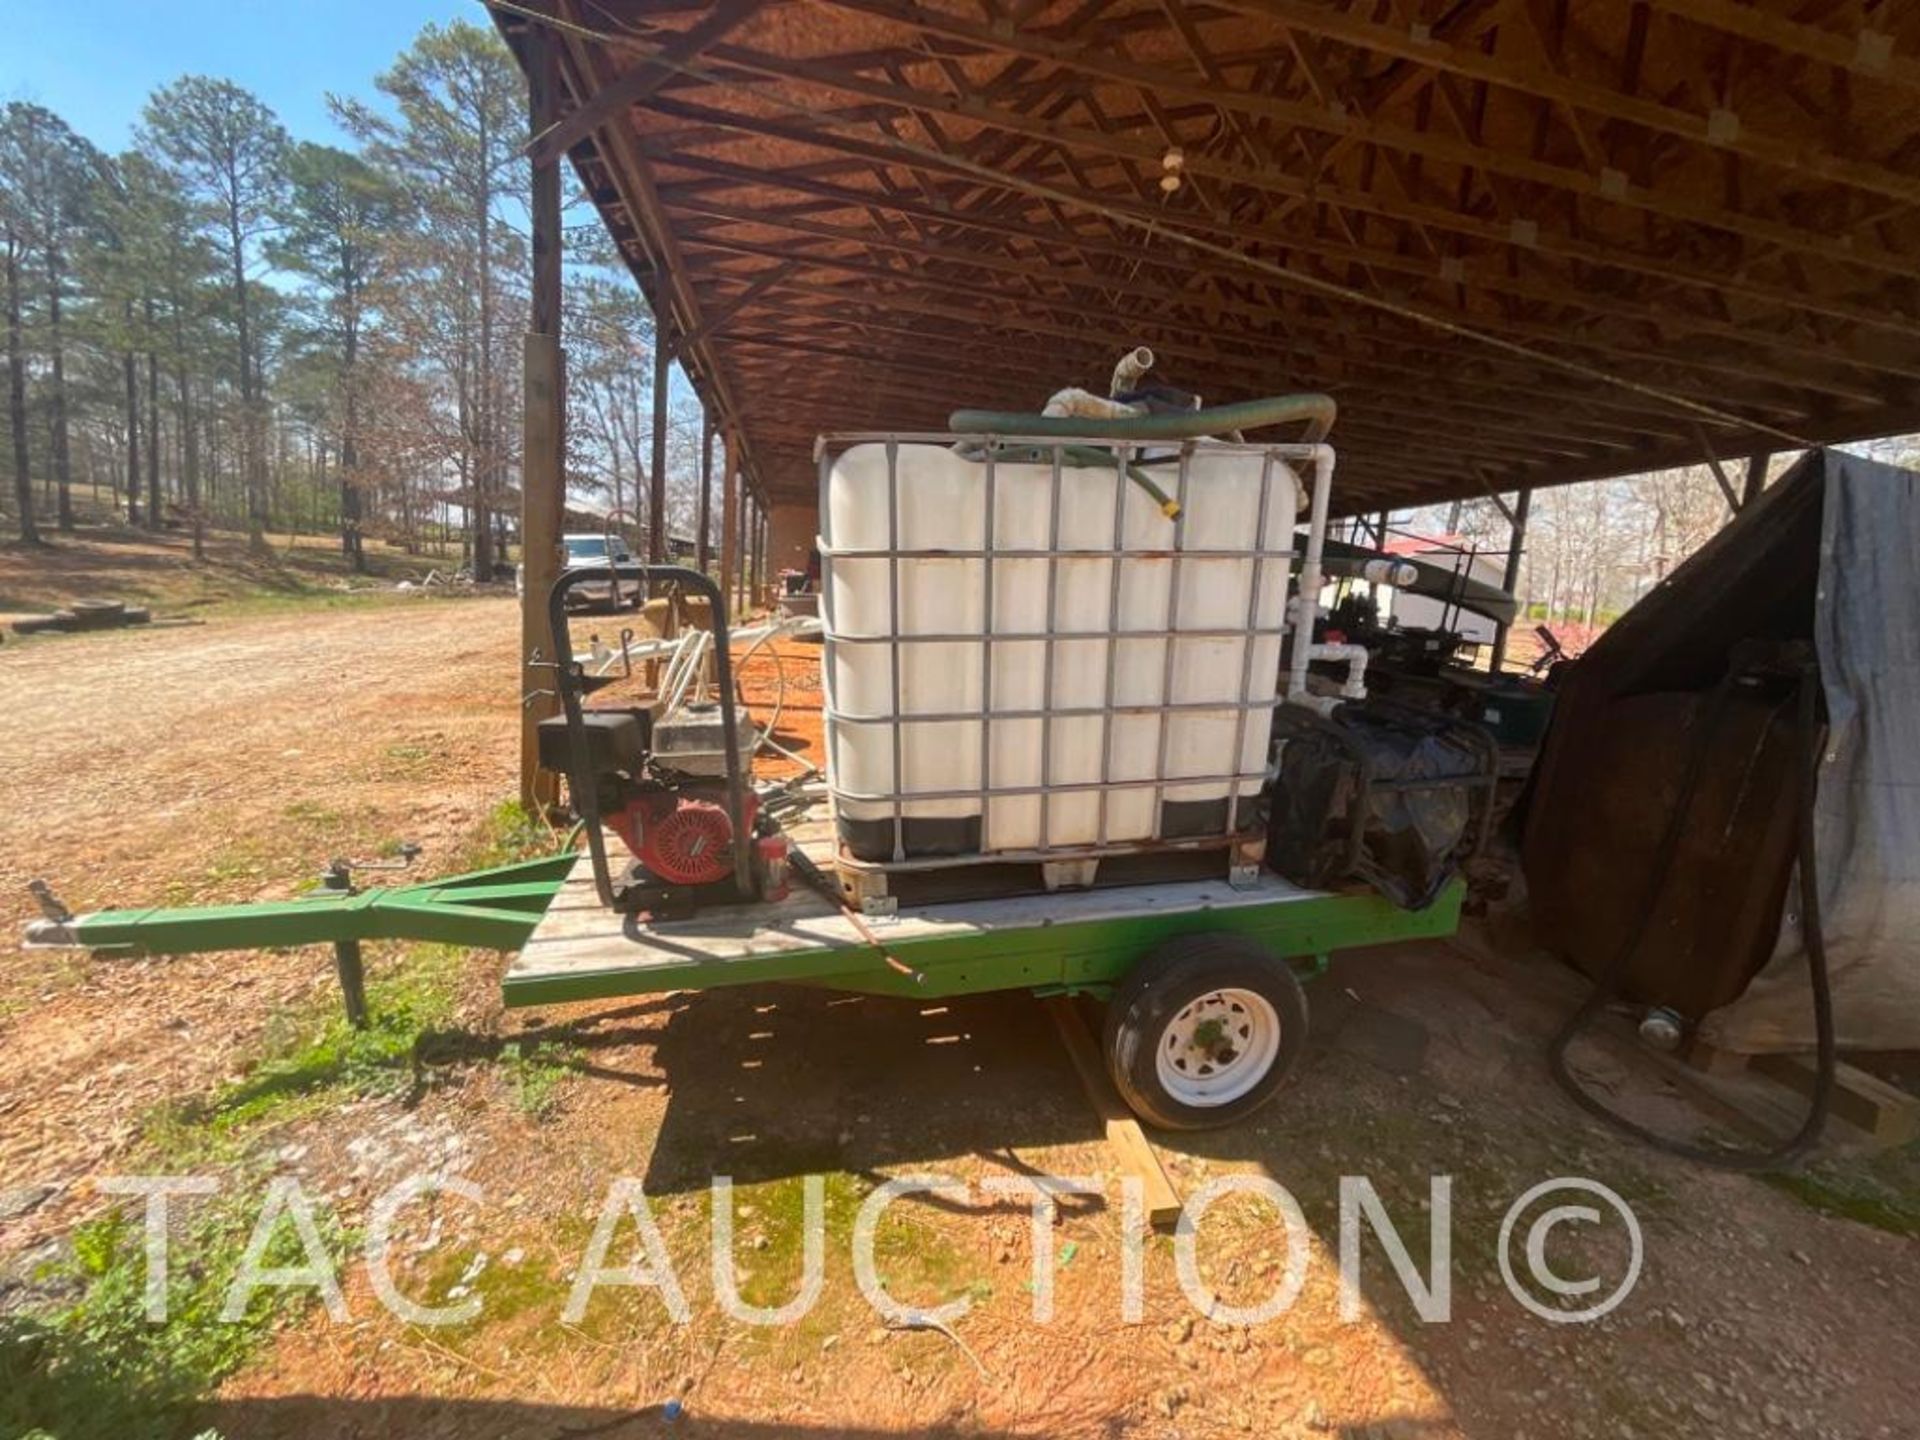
(1885, 1112)
(880, 888)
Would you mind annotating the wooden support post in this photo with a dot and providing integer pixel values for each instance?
(703, 542)
(1719, 471)
(657, 480)
(729, 517)
(756, 547)
(543, 438)
(1756, 477)
(1510, 577)
(759, 553)
(748, 509)
(737, 577)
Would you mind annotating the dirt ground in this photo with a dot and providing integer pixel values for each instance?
(210, 764)
(226, 761)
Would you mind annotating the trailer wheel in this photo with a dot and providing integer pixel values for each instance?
(1204, 1030)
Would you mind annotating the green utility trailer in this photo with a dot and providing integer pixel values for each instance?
(1206, 1014)
(1200, 969)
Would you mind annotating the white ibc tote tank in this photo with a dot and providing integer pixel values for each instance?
(963, 578)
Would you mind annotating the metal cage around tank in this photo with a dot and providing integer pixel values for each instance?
(1252, 702)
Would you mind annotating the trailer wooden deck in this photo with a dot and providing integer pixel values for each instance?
(1086, 938)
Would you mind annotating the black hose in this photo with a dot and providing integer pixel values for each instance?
(1812, 934)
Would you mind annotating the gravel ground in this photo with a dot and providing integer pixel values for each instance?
(228, 761)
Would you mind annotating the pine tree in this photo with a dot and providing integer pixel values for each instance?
(229, 151)
(55, 174)
(339, 210)
(453, 142)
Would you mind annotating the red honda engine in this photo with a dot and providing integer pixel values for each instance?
(682, 835)
(661, 789)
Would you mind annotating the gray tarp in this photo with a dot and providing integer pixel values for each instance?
(1867, 819)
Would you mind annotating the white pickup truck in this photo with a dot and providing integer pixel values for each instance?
(590, 550)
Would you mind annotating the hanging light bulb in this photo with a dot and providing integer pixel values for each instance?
(1171, 164)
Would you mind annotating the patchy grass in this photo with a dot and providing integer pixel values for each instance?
(292, 855)
(96, 1366)
(536, 1071)
(88, 1363)
(312, 1056)
(234, 867)
(317, 1058)
(158, 570)
(511, 834)
(1881, 1190)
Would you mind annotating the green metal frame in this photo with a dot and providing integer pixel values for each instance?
(499, 908)
(1088, 955)
(493, 909)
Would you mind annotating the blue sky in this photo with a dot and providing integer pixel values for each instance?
(95, 63)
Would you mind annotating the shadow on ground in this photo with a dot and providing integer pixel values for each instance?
(432, 1419)
(1420, 1065)
(773, 1082)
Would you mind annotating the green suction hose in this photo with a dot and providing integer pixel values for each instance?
(1087, 457)
(1317, 411)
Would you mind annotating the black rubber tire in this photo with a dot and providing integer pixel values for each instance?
(1162, 985)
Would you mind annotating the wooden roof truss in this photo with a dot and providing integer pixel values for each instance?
(857, 214)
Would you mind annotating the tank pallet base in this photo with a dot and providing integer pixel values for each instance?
(878, 887)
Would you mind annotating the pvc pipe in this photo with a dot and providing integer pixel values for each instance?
(1310, 572)
(1126, 375)
(1355, 657)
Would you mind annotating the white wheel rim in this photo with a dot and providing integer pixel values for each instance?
(1219, 1047)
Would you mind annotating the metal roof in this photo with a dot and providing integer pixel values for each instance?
(1521, 241)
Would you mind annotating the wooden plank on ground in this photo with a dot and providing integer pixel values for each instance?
(1130, 1144)
(1712, 1060)
(1884, 1111)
